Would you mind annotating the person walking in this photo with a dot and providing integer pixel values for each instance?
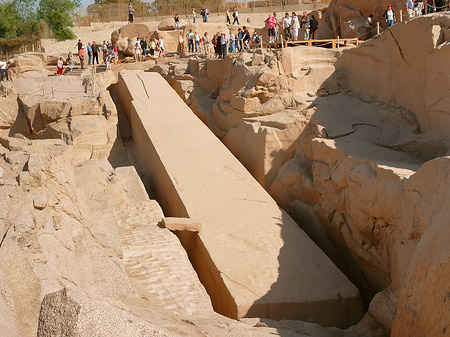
(224, 44)
(161, 47)
(144, 46)
(59, 67)
(389, 16)
(236, 16)
(286, 24)
(246, 38)
(228, 17)
(313, 27)
(295, 26)
(197, 39)
(95, 52)
(368, 24)
(176, 20)
(304, 26)
(4, 69)
(206, 41)
(410, 8)
(130, 13)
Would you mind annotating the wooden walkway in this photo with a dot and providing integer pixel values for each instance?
(333, 43)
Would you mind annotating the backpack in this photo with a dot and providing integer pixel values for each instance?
(234, 15)
(214, 41)
(257, 39)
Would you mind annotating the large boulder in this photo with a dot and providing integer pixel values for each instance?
(134, 30)
(170, 39)
(28, 62)
(167, 24)
(126, 35)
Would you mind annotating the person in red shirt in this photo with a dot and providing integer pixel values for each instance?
(81, 56)
(271, 22)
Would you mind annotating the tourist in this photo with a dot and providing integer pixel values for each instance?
(152, 46)
(277, 25)
(236, 43)
(70, 61)
(286, 24)
(236, 16)
(224, 44)
(295, 26)
(161, 47)
(410, 8)
(418, 7)
(256, 40)
(81, 56)
(246, 38)
(206, 41)
(89, 51)
(270, 23)
(116, 53)
(180, 42)
(313, 27)
(206, 14)
(104, 50)
(95, 52)
(219, 45)
(4, 69)
(228, 17)
(203, 14)
(232, 43)
(240, 36)
(369, 26)
(79, 45)
(304, 26)
(108, 61)
(194, 16)
(190, 41)
(176, 19)
(137, 50)
(59, 67)
(144, 46)
(431, 6)
(197, 40)
(389, 16)
(130, 13)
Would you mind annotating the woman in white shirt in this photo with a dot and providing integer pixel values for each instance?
(295, 24)
(3, 69)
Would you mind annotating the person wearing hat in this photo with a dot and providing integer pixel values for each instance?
(389, 16)
(286, 24)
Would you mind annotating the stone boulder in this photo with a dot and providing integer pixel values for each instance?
(124, 37)
(28, 62)
(170, 39)
(134, 30)
(167, 24)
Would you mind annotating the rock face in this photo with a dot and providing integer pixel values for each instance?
(365, 172)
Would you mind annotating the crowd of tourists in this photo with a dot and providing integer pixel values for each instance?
(142, 48)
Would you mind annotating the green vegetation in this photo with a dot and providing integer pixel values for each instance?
(20, 18)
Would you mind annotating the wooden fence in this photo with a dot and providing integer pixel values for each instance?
(10, 47)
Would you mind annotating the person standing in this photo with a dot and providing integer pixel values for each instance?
(228, 17)
(89, 51)
(286, 24)
(203, 13)
(369, 26)
(81, 56)
(181, 42)
(246, 37)
(144, 46)
(130, 13)
(236, 16)
(206, 42)
(59, 67)
(295, 26)
(410, 8)
(152, 46)
(389, 16)
(277, 26)
(313, 27)
(219, 45)
(116, 53)
(232, 43)
(304, 26)
(197, 39)
(431, 6)
(224, 44)
(104, 50)
(207, 14)
(70, 61)
(95, 52)
(190, 40)
(270, 23)
(137, 50)
(176, 20)
(4, 69)
(194, 15)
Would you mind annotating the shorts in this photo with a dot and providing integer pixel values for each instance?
(271, 32)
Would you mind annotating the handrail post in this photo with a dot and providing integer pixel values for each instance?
(401, 15)
(378, 28)
(337, 45)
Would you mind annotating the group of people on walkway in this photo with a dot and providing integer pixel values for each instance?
(293, 27)
(142, 48)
